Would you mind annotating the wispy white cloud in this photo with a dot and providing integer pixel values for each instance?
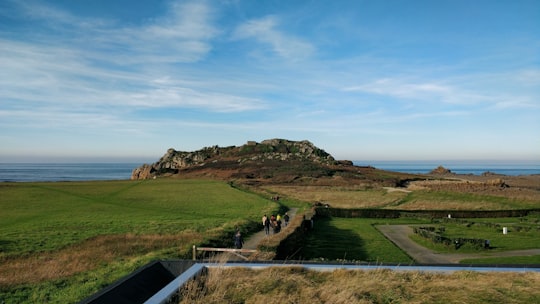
(36, 74)
(53, 16)
(485, 91)
(423, 91)
(266, 31)
(72, 72)
(186, 97)
(184, 35)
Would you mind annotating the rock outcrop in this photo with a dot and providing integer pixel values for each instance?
(440, 170)
(252, 153)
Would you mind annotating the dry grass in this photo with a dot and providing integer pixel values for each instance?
(449, 204)
(297, 285)
(458, 194)
(85, 256)
(520, 188)
(340, 197)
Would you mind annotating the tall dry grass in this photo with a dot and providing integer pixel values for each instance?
(298, 285)
(35, 268)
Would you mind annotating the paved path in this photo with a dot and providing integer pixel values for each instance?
(253, 241)
(399, 235)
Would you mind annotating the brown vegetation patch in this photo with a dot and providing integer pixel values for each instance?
(517, 187)
(340, 197)
(84, 256)
(298, 285)
(523, 189)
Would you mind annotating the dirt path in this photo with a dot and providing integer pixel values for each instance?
(399, 235)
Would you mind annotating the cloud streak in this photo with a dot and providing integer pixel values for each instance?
(265, 31)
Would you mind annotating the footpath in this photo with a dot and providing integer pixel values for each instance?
(255, 239)
(399, 235)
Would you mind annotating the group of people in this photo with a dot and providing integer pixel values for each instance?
(274, 222)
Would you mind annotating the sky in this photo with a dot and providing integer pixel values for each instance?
(123, 80)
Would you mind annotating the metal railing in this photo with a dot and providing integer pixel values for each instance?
(237, 252)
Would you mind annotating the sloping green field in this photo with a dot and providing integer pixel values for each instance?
(47, 216)
(45, 226)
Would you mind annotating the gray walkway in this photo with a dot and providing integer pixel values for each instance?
(253, 241)
(399, 235)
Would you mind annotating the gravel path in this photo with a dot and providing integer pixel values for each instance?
(399, 235)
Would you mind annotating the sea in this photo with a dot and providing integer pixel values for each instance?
(54, 172)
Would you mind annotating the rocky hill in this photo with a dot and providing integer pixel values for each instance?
(273, 160)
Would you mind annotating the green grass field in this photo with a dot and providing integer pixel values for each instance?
(63, 241)
(48, 216)
(142, 220)
(354, 239)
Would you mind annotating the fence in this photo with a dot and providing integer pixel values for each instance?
(237, 252)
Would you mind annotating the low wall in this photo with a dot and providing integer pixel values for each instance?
(288, 248)
(390, 213)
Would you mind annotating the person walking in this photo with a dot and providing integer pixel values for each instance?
(266, 224)
(238, 240)
(286, 218)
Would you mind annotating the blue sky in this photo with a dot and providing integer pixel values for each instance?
(363, 80)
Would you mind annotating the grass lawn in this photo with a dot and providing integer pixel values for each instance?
(353, 239)
(48, 216)
(62, 241)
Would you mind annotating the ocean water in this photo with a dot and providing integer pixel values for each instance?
(459, 167)
(29, 172)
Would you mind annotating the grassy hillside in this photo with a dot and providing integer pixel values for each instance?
(63, 241)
